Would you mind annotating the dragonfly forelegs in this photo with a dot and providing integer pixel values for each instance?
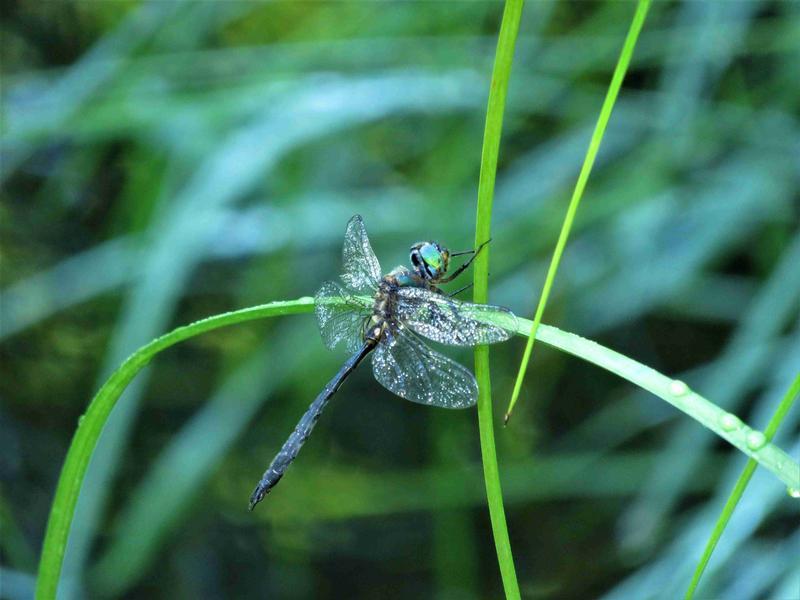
(461, 289)
(466, 265)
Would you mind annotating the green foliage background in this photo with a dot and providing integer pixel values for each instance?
(163, 161)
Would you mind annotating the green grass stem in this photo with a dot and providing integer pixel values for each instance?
(591, 153)
(739, 488)
(493, 130)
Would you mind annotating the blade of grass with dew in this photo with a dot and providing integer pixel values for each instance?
(501, 73)
(672, 568)
(91, 424)
(678, 394)
(728, 382)
(741, 484)
(594, 145)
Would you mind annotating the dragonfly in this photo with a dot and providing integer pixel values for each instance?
(386, 317)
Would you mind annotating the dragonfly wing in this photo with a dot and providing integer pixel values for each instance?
(340, 319)
(361, 268)
(448, 321)
(406, 366)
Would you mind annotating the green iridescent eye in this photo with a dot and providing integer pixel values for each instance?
(431, 255)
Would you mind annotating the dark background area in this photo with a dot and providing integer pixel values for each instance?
(166, 161)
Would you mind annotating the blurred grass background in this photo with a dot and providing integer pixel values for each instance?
(164, 161)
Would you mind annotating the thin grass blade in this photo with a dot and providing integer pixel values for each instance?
(594, 145)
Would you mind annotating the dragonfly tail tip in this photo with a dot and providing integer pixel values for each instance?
(257, 497)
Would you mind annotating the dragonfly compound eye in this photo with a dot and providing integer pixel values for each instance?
(435, 258)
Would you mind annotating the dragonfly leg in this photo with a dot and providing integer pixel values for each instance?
(466, 265)
(471, 251)
(459, 290)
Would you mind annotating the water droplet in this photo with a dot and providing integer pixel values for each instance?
(678, 387)
(755, 440)
(793, 492)
(729, 422)
(80, 420)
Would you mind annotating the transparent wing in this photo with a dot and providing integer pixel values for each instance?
(405, 366)
(339, 321)
(448, 321)
(361, 268)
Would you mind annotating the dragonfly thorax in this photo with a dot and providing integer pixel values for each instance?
(385, 300)
(382, 307)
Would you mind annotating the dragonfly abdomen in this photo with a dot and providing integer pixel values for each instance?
(305, 426)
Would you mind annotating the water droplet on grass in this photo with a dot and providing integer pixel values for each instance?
(793, 492)
(678, 388)
(729, 422)
(756, 440)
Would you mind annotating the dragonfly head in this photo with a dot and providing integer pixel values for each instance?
(430, 260)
